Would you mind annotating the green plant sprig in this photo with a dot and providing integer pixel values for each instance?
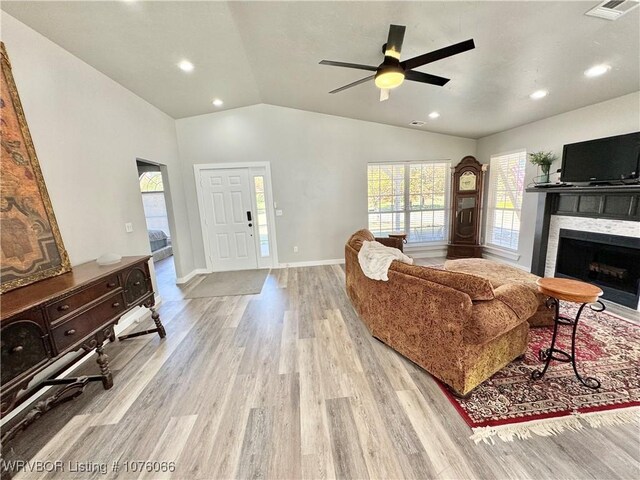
(543, 160)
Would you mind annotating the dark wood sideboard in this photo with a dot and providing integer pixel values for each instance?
(44, 321)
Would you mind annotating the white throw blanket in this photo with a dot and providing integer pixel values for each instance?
(376, 258)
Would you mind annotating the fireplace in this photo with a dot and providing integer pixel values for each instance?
(610, 261)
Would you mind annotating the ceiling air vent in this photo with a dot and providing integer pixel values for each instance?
(417, 123)
(613, 9)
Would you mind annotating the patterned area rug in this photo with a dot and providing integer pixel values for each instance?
(511, 405)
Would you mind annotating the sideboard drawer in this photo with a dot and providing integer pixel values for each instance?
(75, 329)
(65, 306)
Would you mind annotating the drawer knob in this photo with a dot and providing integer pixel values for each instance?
(115, 304)
(17, 349)
(135, 284)
(111, 284)
(63, 308)
(68, 333)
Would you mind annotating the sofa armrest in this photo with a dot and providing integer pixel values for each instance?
(518, 298)
(391, 242)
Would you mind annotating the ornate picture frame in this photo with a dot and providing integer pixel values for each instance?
(31, 248)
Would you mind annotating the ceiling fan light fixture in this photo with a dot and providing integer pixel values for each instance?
(389, 77)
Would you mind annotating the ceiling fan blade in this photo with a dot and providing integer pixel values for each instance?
(349, 65)
(357, 82)
(384, 94)
(394, 42)
(425, 78)
(438, 54)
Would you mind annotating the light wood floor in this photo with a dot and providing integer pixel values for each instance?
(289, 384)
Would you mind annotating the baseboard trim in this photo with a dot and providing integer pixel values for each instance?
(135, 316)
(312, 263)
(190, 275)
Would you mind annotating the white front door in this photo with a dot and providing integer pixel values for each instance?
(228, 218)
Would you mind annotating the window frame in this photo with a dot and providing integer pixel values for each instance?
(157, 173)
(407, 199)
(492, 200)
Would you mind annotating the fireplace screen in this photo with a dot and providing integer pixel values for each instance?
(610, 261)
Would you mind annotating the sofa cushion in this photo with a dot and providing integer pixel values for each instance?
(519, 298)
(500, 274)
(497, 273)
(476, 287)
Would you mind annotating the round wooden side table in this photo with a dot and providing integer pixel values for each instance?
(401, 235)
(570, 291)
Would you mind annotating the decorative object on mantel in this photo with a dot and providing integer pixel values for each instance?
(466, 207)
(108, 259)
(30, 243)
(544, 161)
(511, 406)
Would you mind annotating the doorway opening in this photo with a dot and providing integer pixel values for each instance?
(154, 203)
(236, 215)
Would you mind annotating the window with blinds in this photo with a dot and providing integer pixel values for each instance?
(506, 188)
(410, 198)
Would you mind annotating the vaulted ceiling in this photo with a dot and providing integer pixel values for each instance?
(268, 52)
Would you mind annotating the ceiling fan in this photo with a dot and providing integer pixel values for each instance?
(392, 72)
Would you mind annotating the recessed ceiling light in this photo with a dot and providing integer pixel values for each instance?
(185, 66)
(538, 94)
(217, 102)
(597, 70)
(434, 115)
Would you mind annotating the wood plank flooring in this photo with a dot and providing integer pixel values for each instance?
(288, 384)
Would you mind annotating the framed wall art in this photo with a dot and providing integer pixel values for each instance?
(31, 247)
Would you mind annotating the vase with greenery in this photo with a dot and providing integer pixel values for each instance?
(544, 161)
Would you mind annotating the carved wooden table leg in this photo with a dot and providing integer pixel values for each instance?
(156, 319)
(103, 362)
(73, 387)
(155, 316)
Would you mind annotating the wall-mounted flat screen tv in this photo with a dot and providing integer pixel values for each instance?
(611, 159)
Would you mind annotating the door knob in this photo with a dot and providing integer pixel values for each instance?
(251, 224)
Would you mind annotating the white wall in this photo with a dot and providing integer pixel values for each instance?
(88, 131)
(318, 164)
(613, 117)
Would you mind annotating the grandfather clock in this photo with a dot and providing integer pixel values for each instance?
(466, 209)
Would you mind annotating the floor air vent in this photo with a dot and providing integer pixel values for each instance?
(613, 9)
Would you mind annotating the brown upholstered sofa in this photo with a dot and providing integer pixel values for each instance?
(454, 325)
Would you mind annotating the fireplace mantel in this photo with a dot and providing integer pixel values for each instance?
(620, 202)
